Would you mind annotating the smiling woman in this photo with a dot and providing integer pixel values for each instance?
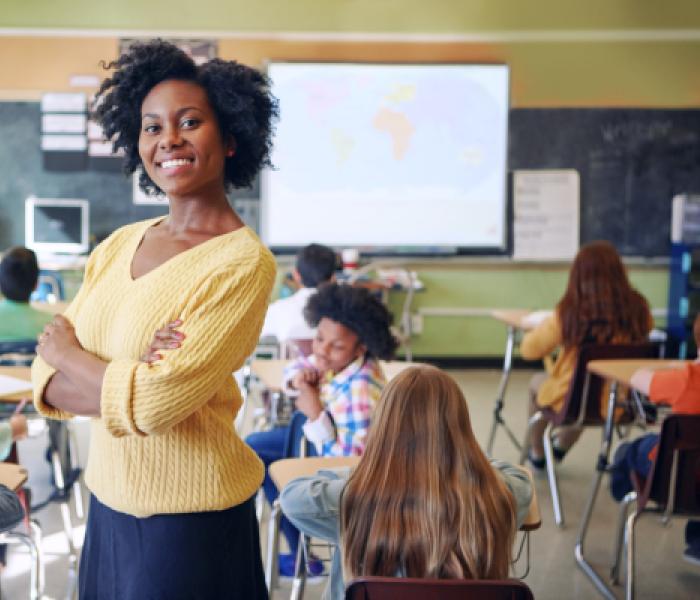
(168, 309)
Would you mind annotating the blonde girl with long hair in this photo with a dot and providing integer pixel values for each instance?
(424, 500)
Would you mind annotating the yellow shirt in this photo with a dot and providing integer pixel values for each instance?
(541, 342)
(165, 442)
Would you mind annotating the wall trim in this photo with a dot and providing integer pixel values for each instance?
(527, 36)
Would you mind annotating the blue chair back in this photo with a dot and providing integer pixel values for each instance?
(295, 437)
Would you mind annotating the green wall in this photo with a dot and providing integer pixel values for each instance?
(439, 16)
(502, 286)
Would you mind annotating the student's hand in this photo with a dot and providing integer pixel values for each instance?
(18, 426)
(306, 378)
(165, 338)
(309, 402)
(57, 341)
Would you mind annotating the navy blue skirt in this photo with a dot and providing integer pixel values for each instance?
(205, 555)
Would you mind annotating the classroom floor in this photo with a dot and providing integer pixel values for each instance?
(661, 571)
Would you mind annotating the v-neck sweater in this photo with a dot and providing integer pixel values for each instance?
(165, 441)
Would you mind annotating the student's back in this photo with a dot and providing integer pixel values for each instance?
(19, 273)
(424, 500)
(315, 265)
(599, 307)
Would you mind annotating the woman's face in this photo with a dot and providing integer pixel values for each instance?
(335, 346)
(180, 142)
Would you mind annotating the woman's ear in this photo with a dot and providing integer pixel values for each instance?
(361, 350)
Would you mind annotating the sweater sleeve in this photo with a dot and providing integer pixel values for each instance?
(42, 372)
(221, 324)
(519, 485)
(542, 340)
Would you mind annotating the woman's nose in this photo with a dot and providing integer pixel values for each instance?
(170, 137)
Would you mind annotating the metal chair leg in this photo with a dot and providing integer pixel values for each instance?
(273, 538)
(629, 543)
(525, 447)
(552, 475)
(299, 582)
(620, 536)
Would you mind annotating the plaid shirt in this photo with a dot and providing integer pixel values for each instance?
(348, 397)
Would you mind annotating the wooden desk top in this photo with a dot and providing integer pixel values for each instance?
(516, 317)
(18, 373)
(13, 476)
(622, 370)
(270, 372)
(285, 470)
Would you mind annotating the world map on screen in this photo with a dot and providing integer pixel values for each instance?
(354, 138)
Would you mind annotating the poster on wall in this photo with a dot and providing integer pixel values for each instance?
(545, 214)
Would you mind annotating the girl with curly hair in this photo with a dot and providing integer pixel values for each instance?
(337, 387)
(600, 306)
(168, 308)
(424, 501)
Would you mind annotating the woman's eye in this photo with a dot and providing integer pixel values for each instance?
(189, 123)
(151, 128)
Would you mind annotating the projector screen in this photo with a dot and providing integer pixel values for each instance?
(387, 157)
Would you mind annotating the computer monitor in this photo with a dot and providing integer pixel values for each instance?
(56, 225)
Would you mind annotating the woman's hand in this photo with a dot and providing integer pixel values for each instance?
(56, 341)
(166, 338)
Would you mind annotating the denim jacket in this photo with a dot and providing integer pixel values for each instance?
(313, 505)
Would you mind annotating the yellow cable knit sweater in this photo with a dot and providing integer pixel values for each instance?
(165, 442)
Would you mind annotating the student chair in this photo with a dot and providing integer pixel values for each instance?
(581, 406)
(672, 488)
(13, 510)
(62, 451)
(19, 353)
(390, 588)
(296, 446)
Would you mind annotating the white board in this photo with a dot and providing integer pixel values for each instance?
(546, 214)
(388, 156)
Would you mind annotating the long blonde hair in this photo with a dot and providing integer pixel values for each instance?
(424, 500)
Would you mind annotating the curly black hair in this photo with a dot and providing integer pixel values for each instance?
(359, 310)
(239, 95)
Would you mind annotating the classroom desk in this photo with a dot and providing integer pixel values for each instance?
(270, 372)
(516, 323)
(13, 476)
(23, 373)
(618, 372)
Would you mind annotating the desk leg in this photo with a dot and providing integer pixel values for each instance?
(500, 395)
(601, 467)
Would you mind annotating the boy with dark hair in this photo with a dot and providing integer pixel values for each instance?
(19, 273)
(679, 389)
(315, 265)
